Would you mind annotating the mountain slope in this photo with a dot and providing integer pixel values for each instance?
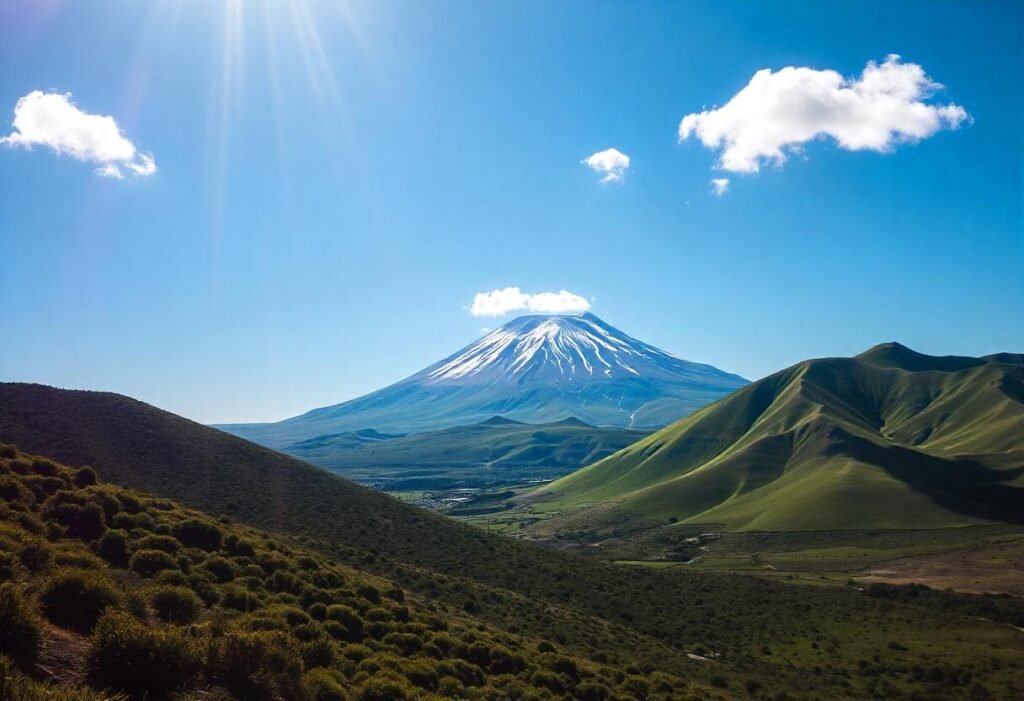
(496, 442)
(287, 587)
(888, 439)
(536, 369)
(610, 616)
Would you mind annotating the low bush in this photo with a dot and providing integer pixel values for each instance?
(323, 685)
(176, 604)
(77, 598)
(165, 543)
(234, 597)
(261, 665)
(113, 547)
(384, 689)
(146, 662)
(35, 556)
(148, 562)
(82, 522)
(21, 635)
(196, 533)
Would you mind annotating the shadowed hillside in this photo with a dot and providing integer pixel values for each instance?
(888, 439)
(110, 589)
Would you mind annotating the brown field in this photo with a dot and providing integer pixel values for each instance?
(996, 568)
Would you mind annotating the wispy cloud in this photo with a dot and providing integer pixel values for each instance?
(512, 299)
(611, 163)
(776, 113)
(54, 121)
(719, 186)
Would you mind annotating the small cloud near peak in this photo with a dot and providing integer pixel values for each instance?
(512, 299)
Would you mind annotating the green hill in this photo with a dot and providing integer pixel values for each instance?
(888, 439)
(497, 442)
(153, 600)
(584, 629)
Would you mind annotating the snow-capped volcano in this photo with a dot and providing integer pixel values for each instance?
(556, 348)
(533, 369)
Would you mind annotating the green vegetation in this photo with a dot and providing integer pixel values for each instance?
(287, 624)
(510, 450)
(639, 632)
(889, 439)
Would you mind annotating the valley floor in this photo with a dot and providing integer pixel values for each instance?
(971, 559)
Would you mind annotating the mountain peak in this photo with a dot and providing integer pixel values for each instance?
(896, 355)
(555, 347)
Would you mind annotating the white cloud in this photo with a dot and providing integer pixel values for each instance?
(612, 163)
(53, 120)
(719, 186)
(776, 113)
(512, 299)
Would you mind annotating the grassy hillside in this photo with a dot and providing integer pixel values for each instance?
(888, 439)
(727, 636)
(111, 590)
(495, 443)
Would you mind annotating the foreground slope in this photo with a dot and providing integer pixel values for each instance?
(888, 439)
(155, 600)
(601, 613)
(496, 442)
(536, 369)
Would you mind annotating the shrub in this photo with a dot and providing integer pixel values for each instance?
(235, 546)
(160, 542)
(421, 674)
(77, 598)
(349, 618)
(369, 592)
(143, 661)
(356, 652)
(319, 652)
(77, 559)
(113, 547)
(239, 599)
(35, 556)
(593, 691)
(21, 635)
(322, 685)
(336, 630)
(82, 522)
(85, 477)
(384, 689)
(195, 533)
(221, 569)
(12, 490)
(176, 605)
(45, 467)
(130, 521)
(8, 568)
(258, 665)
(174, 578)
(504, 661)
(407, 643)
(148, 562)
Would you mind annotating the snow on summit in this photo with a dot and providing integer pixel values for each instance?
(555, 347)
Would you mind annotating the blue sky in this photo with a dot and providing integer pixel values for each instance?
(335, 181)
